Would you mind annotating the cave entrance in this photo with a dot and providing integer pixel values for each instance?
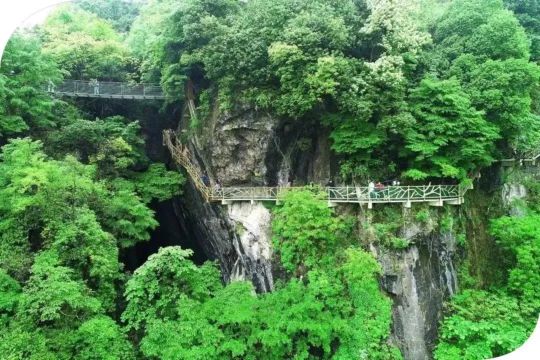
(168, 233)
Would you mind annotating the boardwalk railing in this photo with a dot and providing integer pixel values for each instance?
(529, 159)
(435, 195)
(106, 89)
(180, 154)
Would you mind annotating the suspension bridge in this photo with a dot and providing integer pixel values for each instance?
(106, 89)
(434, 195)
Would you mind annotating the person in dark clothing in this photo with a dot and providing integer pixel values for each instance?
(206, 180)
(330, 183)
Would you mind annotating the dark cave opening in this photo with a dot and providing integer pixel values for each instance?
(170, 232)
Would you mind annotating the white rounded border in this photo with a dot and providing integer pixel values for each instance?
(15, 13)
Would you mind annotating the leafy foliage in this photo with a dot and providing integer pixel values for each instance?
(120, 14)
(449, 137)
(304, 229)
(85, 45)
(191, 319)
(483, 325)
(520, 239)
(24, 73)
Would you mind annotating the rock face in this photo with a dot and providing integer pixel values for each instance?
(419, 279)
(246, 148)
(238, 147)
(231, 149)
(510, 193)
(252, 243)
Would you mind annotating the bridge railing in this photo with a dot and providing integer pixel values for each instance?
(105, 89)
(345, 193)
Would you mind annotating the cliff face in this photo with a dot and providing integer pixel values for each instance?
(418, 279)
(240, 148)
(253, 148)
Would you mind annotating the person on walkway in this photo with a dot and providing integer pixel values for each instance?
(371, 188)
(95, 84)
(217, 186)
(50, 86)
(206, 180)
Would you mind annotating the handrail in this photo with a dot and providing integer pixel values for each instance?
(181, 155)
(105, 89)
(531, 157)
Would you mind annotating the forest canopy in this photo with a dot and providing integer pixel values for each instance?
(423, 91)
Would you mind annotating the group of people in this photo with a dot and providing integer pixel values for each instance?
(373, 187)
(208, 183)
(376, 189)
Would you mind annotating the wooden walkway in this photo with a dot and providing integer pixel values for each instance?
(106, 89)
(435, 195)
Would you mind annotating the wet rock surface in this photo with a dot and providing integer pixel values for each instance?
(418, 279)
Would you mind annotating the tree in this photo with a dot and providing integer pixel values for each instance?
(339, 314)
(92, 253)
(84, 45)
(153, 291)
(528, 14)
(40, 197)
(482, 325)
(206, 330)
(449, 137)
(305, 232)
(101, 338)
(120, 14)
(483, 45)
(519, 238)
(10, 292)
(24, 74)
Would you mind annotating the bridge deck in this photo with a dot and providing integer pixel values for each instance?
(435, 195)
(106, 89)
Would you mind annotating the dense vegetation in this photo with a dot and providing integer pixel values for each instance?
(427, 93)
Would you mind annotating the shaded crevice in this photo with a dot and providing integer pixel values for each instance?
(170, 232)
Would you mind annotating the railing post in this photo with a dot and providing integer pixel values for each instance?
(144, 90)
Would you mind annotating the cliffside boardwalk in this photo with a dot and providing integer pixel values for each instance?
(531, 159)
(435, 195)
(106, 89)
